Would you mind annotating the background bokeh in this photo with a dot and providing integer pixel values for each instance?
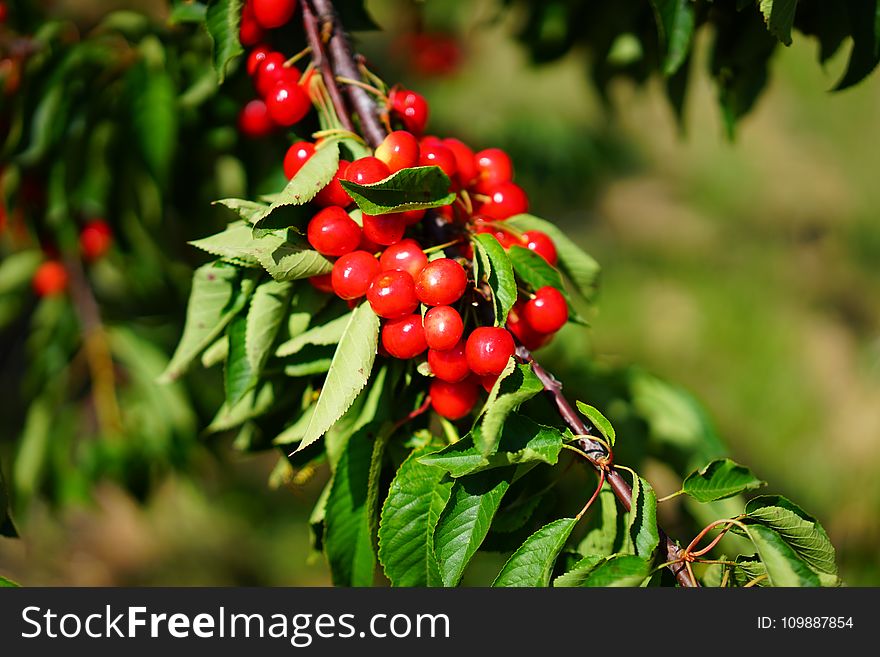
(748, 272)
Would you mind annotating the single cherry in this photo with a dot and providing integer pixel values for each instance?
(443, 327)
(95, 239)
(441, 282)
(524, 332)
(440, 156)
(254, 120)
(406, 255)
(297, 155)
(334, 193)
(547, 312)
(332, 232)
(50, 279)
(353, 273)
(385, 229)
(488, 350)
(541, 244)
(464, 161)
(392, 294)
(411, 108)
(366, 171)
(449, 364)
(453, 400)
(287, 103)
(256, 57)
(506, 199)
(493, 166)
(404, 338)
(273, 13)
(399, 150)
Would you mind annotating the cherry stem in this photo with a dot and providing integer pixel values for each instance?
(362, 85)
(670, 496)
(440, 247)
(414, 414)
(320, 60)
(594, 495)
(298, 56)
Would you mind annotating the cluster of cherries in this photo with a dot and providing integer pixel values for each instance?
(51, 277)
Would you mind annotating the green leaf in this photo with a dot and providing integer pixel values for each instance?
(222, 20)
(619, 570)
(408, 189)
(309, 361)
(779, 16)
(187, 12)
(314, 176)
(7, 583)
(522, 441)
(492, 264)
(532, 564)
(350, 506)
(675, 27)
(720, 479)
(349, 372)
(513, 390)
(252, 405)
(17, 269)
(250, 211)
(801, 531)
(154, 117)
(290, 262)
(326, 334)
(239, 376)
(264, 319)
(784, 566)
(598, 420)
(34, 449)
(643, 532)
(580, 268)
(466, 518)
(415, 499)
(237, 242)
(536, 272)
(864, 19)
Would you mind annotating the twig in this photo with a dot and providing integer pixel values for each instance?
(320, 60)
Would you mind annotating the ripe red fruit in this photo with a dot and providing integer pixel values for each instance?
(541, 244)
(464, 161)
(547, 312)
(440, 156)
(369, 245)
(50, 279)
(524, 332)
(493, 166)
(488, 382)
(271, 71)
(353, 273)
(449, 364)
(404, 338)
(443, 327)
(250, 33)
(322, 282)
(399, 150)
(506, 239)
(287, 103)
(453, 400)
(334, 193)
(505, 200)
(367, 170)
(254, 120)
(441, 282)
(392, 294)
(411, 108)
(256, 57)
(297, 155)
(95, 239)
(384, 229)
(488, 350)
(273, 13)
(406, 255)
(332, 232)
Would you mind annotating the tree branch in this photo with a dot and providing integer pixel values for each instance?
(345, 65)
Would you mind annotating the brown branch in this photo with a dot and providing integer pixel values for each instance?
(597, 454)
(322, 62)
(345, 65)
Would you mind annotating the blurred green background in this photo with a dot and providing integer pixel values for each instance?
(748, 272)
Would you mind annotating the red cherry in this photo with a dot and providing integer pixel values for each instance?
(366, 171)
(488, 350)
(332, 232)
(352, 274)
(548, 311)
(505, 200)
(411, 108)
(488, 382)
(399, 150)
(441, 282)
(50, 279)
(322, 282)
(297, 155)
(440, 156)
(256, 57)
(369, 245)
(250, 33)
(412, 217)
(4, 12)
(392, 294)
(453, 400)
(287, 103)
(273, 13)
(95, 239)
(541, 244)
(271, 71)
(334, 193)
(450, 364)
(505, 238)
(254, 120)
(493, 166)
(524, 332)
(384, 229)
(406, 255)
(443, 327)
(404, 338)
(464, 161)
